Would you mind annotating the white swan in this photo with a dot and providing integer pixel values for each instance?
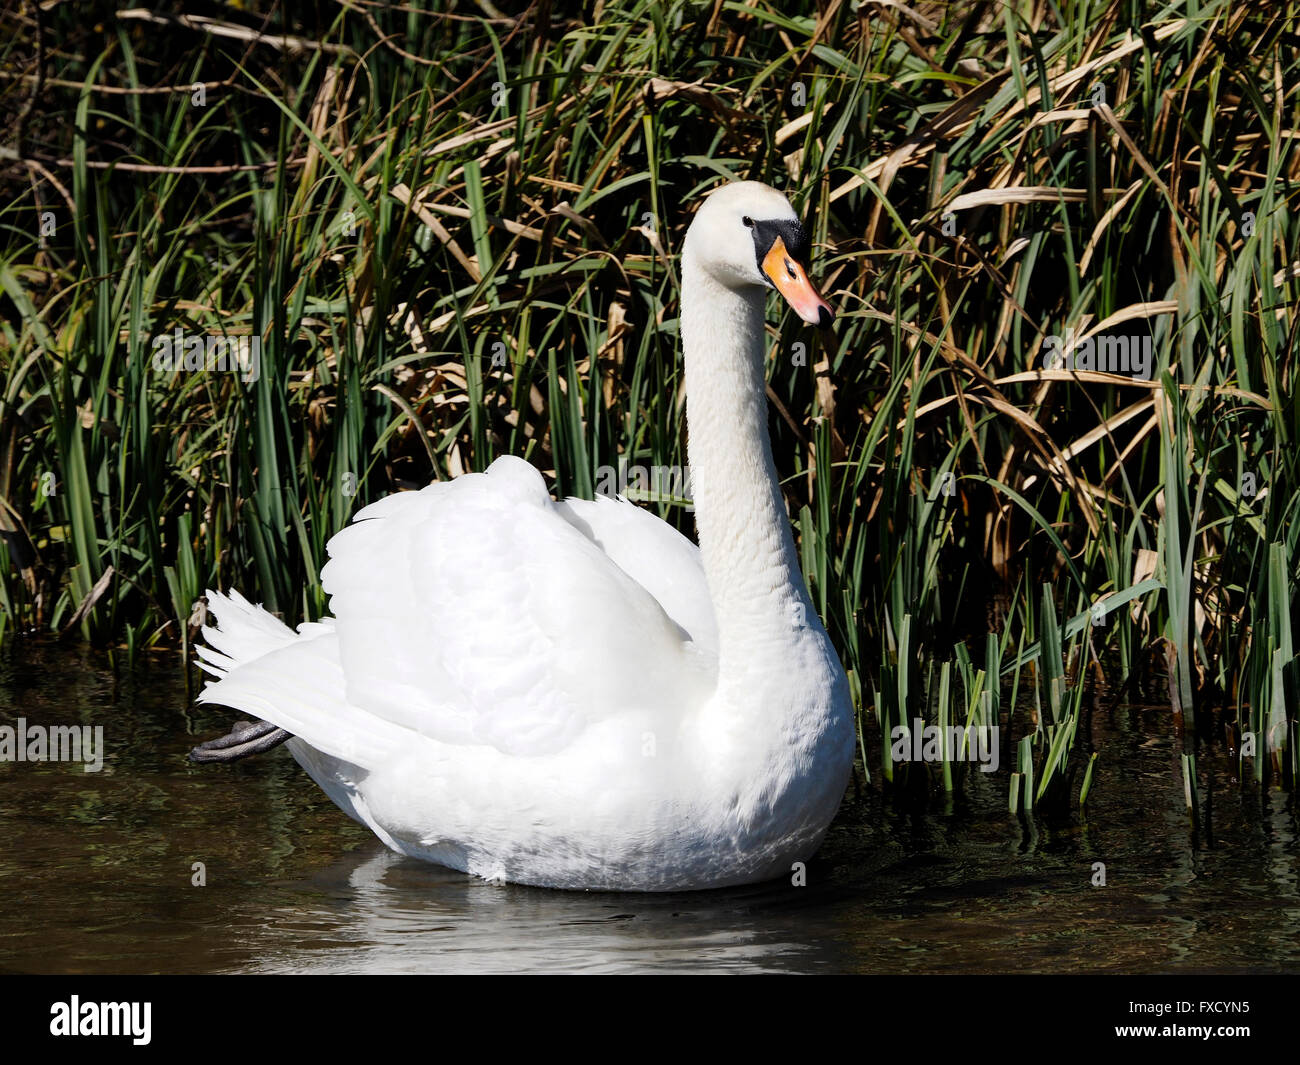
(571, 694)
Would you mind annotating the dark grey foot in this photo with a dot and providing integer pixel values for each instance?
(247, 737)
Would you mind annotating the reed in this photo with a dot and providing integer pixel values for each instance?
(453, 236)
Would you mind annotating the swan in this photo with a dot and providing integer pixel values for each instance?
(570, 694)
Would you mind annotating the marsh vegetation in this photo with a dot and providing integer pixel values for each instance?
(452, 236)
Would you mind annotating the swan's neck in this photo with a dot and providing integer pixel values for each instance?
(758, 593)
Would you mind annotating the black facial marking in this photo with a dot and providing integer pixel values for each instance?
(789, 230)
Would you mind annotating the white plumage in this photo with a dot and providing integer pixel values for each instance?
(572, 694)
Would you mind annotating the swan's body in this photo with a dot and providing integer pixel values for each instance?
(571, 694)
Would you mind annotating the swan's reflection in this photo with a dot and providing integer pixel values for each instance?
(378, 912)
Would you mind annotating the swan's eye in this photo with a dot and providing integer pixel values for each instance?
(748, 221)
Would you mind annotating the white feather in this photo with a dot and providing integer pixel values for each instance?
(572, 694)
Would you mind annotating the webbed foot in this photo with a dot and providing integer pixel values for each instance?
(244, 739)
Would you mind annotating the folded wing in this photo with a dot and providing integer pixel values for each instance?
(481, 611)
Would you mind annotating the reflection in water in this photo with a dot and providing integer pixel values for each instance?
(379, 912)
(99, 870)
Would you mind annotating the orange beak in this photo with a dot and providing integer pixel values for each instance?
(792, 282)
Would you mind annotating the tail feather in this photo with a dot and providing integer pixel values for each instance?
(293, 680)
(243, 633)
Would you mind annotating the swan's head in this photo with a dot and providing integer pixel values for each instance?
(746, 235)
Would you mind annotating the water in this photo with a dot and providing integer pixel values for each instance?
(97, 870)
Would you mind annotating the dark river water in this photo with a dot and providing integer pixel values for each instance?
(98, 868)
